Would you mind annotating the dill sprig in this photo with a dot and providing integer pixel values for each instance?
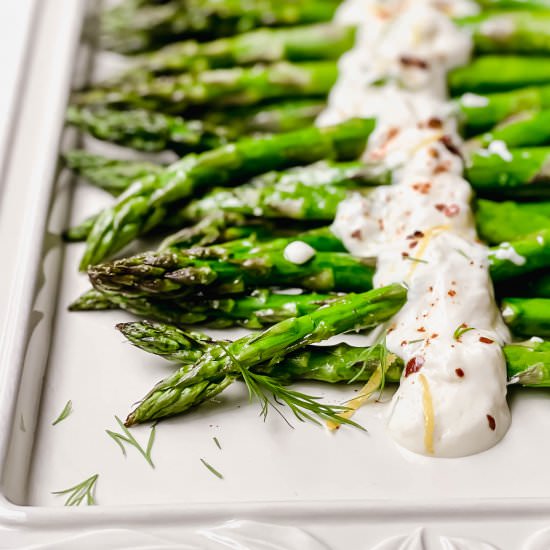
(460, 330)
(77, 494)
(67, 410)
(212, 469)
(217, 443)
(303, 406)
(128, 438)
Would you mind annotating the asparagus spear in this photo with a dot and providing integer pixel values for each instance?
(493, 73)
(148, 131)
(520, 256)
(264, 45)
(144, 205)
(220, 365)
(515, 4)
(518, 172)
(168, 274)
(310, 193)
(511, 32)
(113, 175)
(235, 86)
(332, 364)
(526, 129)
(528, 363)
(499, 222)
(259, 309)
(150, 26)
(527, 316)
(482, 112)
(155, 131)
(269, 118)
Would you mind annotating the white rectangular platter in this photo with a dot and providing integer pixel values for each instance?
(282, 488)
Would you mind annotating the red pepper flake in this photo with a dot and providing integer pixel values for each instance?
(441, 168)
(431, 288)
(412, 244)
(492, 423)
(392, 132)
(422, 187)
(433, 152)
(416, 235)
(421, 329)
(410, 61)
(414, 365)
(435, 123)
(452, 293)
(356, 234)
(403, 343)
(434, 335)
(450, 146)
(450, 210)
(459, 372)
(405, 254)
(485, 340)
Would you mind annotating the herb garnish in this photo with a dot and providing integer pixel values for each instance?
(302, 405)
(127, 437)
(461, 329)
(212, 469)
(413, 259)
(67, 410)
(217, 443)
(78, 493)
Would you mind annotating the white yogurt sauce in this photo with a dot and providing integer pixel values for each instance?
(452, 397)
(298, 252)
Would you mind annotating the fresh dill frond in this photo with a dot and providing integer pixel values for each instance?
(303, 406)
(413, 259)
(81, 491)
(212, 469)
(217, 443)
(128, 438)
(460, 330)
(67, 410)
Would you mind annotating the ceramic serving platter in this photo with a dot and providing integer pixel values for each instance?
(291, 488)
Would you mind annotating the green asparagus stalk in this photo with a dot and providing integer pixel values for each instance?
(515, 4)
(155, 131)
(144, 205)
(264, 45)
(168, 274)
(147, 27)
(526, 129)
(148, 131)
(499, 222)
(308, 193)
(528, 363)
(521, 172)
(482, 112)
(113, 175)
(527, 316)
(222, 364)
(509, 32)
(521, 256)
(269, 118)
(494, 73)
(332, 364)
(259, 309)
(236, 86)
